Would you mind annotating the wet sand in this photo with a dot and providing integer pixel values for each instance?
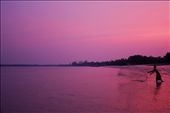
(84, 90)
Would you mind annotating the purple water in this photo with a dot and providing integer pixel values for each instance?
(77, 90)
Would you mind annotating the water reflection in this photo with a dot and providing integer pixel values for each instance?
(157, 91)
(81, 89)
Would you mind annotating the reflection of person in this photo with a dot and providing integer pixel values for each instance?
(158, 76)
(156, 92)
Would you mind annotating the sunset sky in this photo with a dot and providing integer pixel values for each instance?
(55, 32)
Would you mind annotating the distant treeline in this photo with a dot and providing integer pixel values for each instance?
(34, 65)
(131, 60)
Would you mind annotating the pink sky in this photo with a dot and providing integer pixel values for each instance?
(58, 32)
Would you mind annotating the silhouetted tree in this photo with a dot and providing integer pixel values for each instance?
(167, 57)
(74, 63)
(133, 60)
(136, 59)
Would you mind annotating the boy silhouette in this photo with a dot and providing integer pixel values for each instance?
(158, 76)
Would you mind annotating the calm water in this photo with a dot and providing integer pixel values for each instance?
(77, 90)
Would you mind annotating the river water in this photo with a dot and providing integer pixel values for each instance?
(81, 90)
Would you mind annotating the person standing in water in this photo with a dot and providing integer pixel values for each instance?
(158, 76)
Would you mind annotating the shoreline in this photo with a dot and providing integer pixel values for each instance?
(65, 65)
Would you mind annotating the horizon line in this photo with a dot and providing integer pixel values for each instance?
(69, 64)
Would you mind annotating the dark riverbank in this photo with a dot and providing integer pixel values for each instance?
(131, 60)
